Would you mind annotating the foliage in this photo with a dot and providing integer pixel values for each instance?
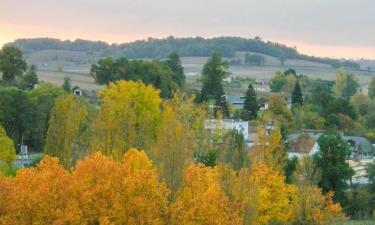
(66, 132)
(174, 63)
(214, 71)
(173, 150)
(277, 82)
(129, 116)
(67, 85)
(160, 75)
(201, 200)
(331, 160)
(251, 107)
(297, 96)
(12, 64)
(314, 208)
(7, 151)
(31, 77)
(346, 85)
(14, 112)
(371, 89)
(191, 46)
(254, 59)
(264, 198)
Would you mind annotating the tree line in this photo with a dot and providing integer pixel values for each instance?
(160, 48)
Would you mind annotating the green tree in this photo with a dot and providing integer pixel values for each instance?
(297, 97)
(12, 63)
(31, 77)
(67, 85)
(15, 112)
(331, 160)
(174, 63)
(7, 151)
(221, 107)
(371, 89)
(251, 107)
(277, 82)
(346, 85)
(214, 71)
(42, 100)
(66, 132)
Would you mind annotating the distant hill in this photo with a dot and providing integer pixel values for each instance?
(83, 51)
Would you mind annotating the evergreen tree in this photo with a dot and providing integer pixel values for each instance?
(174, 63)
(221, 106)
(251, 106)
(297, 97)
(31, 77)
(67, 86)
(214, 71)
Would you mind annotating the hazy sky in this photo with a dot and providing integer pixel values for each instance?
(338, 28)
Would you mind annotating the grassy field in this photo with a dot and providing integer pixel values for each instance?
(79, 72)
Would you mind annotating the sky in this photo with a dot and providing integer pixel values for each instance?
(332, 28)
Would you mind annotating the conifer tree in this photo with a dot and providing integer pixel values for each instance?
(297, 97)
(251, 107)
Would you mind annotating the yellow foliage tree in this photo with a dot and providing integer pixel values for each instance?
(263, 196)
(66, 127)
(173, 149)
(120, 193)
(314, 208)
(268, 148)
(129, 117)
(7, 151)
(40, 195)
(201, 200)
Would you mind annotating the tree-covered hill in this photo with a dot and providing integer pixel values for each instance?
(160, 48)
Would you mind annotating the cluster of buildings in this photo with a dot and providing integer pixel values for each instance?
(305, 143)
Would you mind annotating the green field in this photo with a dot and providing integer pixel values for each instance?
(78, 72)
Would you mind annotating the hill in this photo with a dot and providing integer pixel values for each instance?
(86, 52)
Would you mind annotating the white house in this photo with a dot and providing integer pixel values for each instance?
(229, 124)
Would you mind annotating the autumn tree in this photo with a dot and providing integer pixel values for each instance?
(361, 103)
(269, 148)
(264, 197)
(251, 107)
(120, 193)
(7, 150)
(314, 208)
(129, 116)
(12, 63)
(66, 132)
(40, 195)
(345, 85)
(173, 149)
(201, 200)
(278, 107)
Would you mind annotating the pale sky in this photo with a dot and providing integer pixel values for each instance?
(334, 28)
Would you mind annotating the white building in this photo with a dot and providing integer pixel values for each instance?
(229, 124)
